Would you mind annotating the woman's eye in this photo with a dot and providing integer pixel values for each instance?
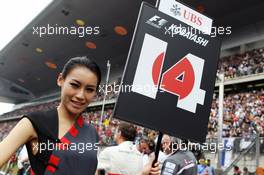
(74, 85)
(90, 89)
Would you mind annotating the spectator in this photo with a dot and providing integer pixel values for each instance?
(210, 167)
(166, 148)
(237, 170)
(202, 168)
(179, 162)
(245, 171)
(112, 159)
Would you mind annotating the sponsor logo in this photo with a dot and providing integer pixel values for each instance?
(186, 15)
(192, 17)
(176, 10)
(156, 21)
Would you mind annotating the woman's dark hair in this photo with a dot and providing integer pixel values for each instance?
(82, 61)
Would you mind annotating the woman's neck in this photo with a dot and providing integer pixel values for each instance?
(66, 115)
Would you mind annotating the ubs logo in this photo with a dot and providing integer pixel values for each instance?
(187, 14)
(176, 10)
(192, 17)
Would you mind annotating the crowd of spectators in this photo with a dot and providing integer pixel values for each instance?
(31, 108)
(106, 126)
(111, 91)
(250, 62)
(5, 128)
(243, 115)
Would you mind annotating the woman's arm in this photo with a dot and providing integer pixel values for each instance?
(19, 135)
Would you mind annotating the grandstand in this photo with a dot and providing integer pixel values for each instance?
(33, 88)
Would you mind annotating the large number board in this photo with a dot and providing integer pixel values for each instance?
(169, 77)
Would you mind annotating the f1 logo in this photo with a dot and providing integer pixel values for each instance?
(183, 79)
(156, 21)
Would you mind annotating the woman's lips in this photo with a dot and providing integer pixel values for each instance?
(77, 104)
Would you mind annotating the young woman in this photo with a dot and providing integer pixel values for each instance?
(58, 141)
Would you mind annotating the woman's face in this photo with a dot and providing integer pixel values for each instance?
(77, 89)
